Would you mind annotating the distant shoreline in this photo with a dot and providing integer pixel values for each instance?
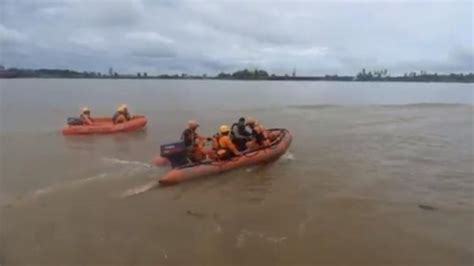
(214, 79)
(218, 79)
(241, 75)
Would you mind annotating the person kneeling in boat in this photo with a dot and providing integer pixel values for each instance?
(259, 136)
(224, 145)
(85, 117)
(194, 143)
(121, 115)
(240, 134)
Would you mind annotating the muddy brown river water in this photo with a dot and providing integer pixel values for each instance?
(377, 174)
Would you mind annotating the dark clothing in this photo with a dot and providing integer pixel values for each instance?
(240, 143)
(114, 117)
(125, 115)
(226, 155)
(189, 138)
(118, 118)
(74, 121)
(240, 135)
(258, 136)
(240, 130)
(86, 119)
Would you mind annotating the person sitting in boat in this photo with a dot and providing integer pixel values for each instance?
(224, 145)
(121, 115)
(85, 117)
(259, 136)
(240, 134)
(194, 142)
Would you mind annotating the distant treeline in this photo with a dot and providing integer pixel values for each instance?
(245, 74)
(259, 74)
(422, 76)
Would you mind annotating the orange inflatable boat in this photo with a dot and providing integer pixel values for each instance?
(104, 125)
(264, 155)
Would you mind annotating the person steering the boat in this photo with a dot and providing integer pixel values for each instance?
(193, 142)
(224, 145)
(240, 134)
(259, 136)
(121, 115)
(85, 116)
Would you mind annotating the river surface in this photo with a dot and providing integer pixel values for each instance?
(377, 174)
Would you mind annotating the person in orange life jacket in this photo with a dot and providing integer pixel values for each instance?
(194, 142)
(224, 145)
(240, 134)
(259, 135)
(121, 115)
(86, 117)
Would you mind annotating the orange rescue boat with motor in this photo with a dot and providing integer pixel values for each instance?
(262, 155)
(104, 125)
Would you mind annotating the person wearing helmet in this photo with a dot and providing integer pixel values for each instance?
(224, 145)
(121, 115)
(189, 135)
(126, 113)
(85, 116)
(240, 134)
(193, 142)
(259, 136)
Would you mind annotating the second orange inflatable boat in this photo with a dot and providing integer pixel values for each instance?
(264, 155)
(104, 125)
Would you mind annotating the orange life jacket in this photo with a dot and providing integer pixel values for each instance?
(224, 142)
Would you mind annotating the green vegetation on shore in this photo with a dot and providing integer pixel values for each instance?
(245, 74)
(422, 76)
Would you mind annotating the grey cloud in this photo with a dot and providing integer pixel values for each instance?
(463, 58)
(248, 21)
(315, 37)
(120, 13)
(149, 44)
(456, 60)
(10, 36)
(154, 52)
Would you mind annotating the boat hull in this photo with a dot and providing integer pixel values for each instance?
(271, 153)
(103, 125)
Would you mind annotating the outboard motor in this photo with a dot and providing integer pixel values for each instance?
(176, 153)
(74, 121)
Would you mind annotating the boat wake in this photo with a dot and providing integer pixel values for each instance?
(55, 187)
(139, 190)
(124, 162)
(46, 190)
(127, 169)
(288, 156)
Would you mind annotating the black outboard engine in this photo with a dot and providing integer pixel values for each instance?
(176, 153)
(74, 121)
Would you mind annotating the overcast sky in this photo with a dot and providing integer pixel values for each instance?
(209, 36)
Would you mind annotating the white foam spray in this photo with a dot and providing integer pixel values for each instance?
(139, 190)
